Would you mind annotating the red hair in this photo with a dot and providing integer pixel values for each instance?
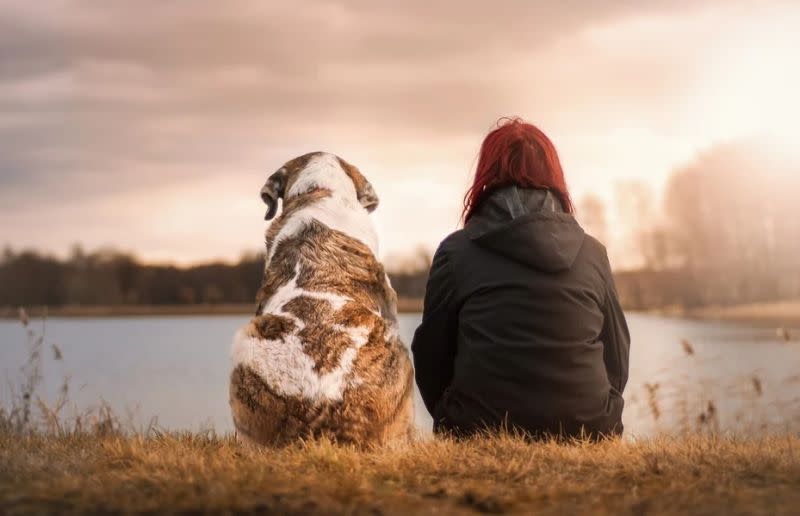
(516, 153)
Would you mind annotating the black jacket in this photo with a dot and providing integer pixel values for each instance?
(522, 327)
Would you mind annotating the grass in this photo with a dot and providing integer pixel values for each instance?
(203, 473)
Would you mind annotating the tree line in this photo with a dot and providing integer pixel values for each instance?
(113, 278)
(726, 231)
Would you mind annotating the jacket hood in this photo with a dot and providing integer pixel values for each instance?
(527, 225)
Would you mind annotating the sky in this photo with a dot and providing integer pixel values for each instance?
(151, 126)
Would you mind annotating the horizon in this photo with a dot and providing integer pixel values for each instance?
(157, 138)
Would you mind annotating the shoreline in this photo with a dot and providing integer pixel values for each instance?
(769, 314)
(774, 314)
(404, 305)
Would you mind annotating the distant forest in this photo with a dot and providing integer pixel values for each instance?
(726, 231)
(112, 278)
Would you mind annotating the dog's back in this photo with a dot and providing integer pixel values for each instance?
(323, 355)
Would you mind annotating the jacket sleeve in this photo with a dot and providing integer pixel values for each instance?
(615, 336)
(434, 345)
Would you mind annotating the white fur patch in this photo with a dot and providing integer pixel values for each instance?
(341, 211)
(392, 325)
(283, 364)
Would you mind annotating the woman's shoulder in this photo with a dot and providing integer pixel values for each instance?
(595, 253)
(453, 242)
(594, 246)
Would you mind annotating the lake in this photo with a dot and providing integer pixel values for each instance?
(175, 369)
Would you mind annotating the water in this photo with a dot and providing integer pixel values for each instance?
(176, 369)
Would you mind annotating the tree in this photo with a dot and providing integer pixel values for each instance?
(733, 223)
(638, 212)
(592, 215)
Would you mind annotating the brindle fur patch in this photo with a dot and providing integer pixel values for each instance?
(262, 416)
(266, 417)
(290, 207)
(296, 166)
(355, 175)
(278, 274)
(324, 344)
(356, 314)
(357, 271)
(273, 327)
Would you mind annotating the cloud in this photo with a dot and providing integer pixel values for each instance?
(129, 63)
(103, 104)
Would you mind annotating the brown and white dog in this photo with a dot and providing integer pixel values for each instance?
(322, 356)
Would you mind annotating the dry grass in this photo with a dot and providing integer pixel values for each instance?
(179, 473)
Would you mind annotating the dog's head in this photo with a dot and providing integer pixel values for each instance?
(317, 170)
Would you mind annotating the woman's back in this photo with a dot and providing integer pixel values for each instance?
(529, 288)
(521, 325)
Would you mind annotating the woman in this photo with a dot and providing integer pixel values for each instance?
(522, 328)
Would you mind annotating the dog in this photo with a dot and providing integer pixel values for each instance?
(322, 356)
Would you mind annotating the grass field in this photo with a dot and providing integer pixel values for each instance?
(498, 474)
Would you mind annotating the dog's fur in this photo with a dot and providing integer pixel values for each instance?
(322, 356)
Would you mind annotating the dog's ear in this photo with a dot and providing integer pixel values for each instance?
(273, 190)
(364, 191)
(367, 197)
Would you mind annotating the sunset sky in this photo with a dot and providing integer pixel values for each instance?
(151, 126)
